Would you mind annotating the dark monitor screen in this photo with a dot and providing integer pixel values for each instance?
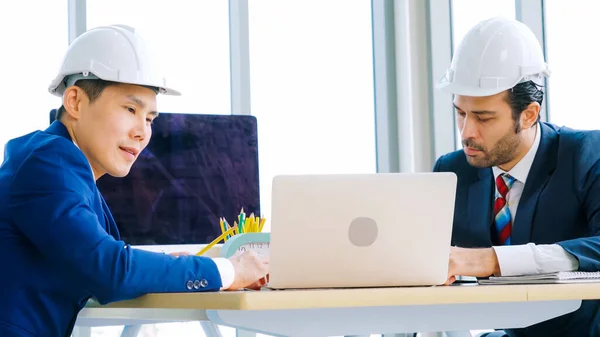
(196, 169)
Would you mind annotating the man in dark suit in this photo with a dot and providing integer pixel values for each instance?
(527, 190)
(59, 241)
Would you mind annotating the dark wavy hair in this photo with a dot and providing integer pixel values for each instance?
(519, 98)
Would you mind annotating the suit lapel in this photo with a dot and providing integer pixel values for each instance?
(543, 165)
(480, 203)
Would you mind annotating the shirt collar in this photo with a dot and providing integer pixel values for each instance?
(521, 170)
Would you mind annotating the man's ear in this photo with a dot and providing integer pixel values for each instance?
(73, 99)
(530, 115)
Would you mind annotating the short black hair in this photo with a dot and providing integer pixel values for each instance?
(92, 88)
(521, 95)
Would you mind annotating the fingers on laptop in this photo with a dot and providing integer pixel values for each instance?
(250, 270)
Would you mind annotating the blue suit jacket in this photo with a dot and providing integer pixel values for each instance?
(560, 204)
(60, 244)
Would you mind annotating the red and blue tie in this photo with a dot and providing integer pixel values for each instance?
(502, 217)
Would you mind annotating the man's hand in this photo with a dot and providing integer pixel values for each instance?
(178, 254)
(251, 271)
(479, 262)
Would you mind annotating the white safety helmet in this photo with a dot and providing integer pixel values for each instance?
(112, 53)
(494, 56)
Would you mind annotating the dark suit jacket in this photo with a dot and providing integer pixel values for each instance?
(60, 244)
(560, 204)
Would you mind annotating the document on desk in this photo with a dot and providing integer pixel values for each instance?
(267, 288)
(551, 278)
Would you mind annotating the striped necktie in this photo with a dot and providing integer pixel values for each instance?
(502, 217)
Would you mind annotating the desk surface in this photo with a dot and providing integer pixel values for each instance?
(364, 297)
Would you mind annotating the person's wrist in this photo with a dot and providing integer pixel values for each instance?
(226, 272)
(493, 263)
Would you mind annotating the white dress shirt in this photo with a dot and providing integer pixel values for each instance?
(225, 270)
(529, 258)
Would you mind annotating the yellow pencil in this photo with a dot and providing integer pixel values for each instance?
(215, 241)
(252, 219)
(250, 224)
(223, 226)
(227, 227)
(262, 223)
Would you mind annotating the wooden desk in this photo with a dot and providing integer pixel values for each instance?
(327, 312)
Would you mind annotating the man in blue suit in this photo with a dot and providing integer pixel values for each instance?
(59, 242)
(527, 190)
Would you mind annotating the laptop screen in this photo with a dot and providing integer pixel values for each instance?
(196, 169)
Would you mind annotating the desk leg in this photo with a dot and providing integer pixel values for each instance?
(458, 334)
(82, 331)
(131, 331)
(244, 333)
(210, 330)
(398, 335)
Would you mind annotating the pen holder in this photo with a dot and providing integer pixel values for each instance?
(250, 225)
(257, 242)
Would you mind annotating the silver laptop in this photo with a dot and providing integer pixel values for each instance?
(365, 230)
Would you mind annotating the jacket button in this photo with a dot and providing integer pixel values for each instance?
(203, 283)
(196, 284)
(189, 285)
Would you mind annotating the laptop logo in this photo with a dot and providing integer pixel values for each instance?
(363, 231)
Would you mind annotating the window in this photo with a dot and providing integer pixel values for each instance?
(312, 88)
(30, 61)
(191, 39)
(467, 13)
(572, 56)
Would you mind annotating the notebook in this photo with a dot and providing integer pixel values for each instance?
(550, 278)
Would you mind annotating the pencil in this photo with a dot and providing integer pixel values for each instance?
(250, 224)
(243, 221)
(214, 242)
(223, 226)
(262, 223)
(226, 227)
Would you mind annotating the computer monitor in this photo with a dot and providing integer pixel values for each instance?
(196, 169)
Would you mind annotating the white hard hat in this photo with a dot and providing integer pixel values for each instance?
(112, 53)
(494, 56)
